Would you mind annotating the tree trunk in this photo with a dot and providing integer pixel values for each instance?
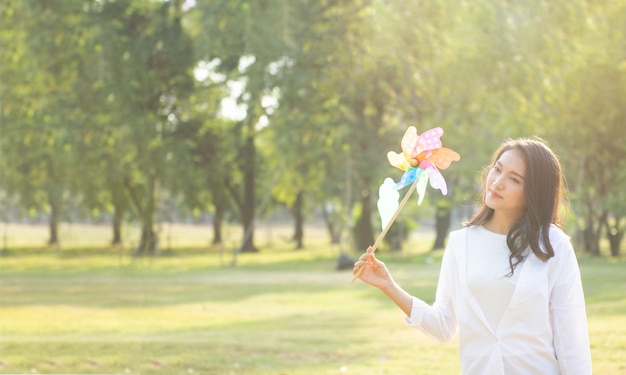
(118, 214)
(334, 233)
(117, 227)
(396, 235)
(220, 198)
(591, 233)
(247, 213)
(364, 232)
(55, 215)
(443, 217)
(148, 244)
(590, 241)
(615, 235)
(615, 238)
(54, 227)
(217, 221)
(299, 220)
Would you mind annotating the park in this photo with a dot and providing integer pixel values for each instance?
(94, 311)
(185, 185)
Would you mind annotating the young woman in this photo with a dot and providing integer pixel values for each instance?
(509, 280)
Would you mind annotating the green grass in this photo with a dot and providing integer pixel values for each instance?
(96, 311)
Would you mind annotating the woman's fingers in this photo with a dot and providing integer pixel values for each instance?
(365, 260)
(361, 263)
(368, 254)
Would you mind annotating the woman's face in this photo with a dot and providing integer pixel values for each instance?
(504, 190)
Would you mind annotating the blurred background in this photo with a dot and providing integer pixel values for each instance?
(149, 146)
(220, 112)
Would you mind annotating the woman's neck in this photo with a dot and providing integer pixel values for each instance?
(500, 223)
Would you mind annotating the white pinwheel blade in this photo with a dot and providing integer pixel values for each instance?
(387, 201)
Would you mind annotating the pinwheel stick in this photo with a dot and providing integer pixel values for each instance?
(384, 232)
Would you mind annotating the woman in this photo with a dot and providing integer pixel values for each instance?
(509, 280)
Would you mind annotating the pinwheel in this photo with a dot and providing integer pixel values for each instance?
(421, 158)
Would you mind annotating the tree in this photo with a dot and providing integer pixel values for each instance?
(305, 134)
(244, 55)
(41, 102)
(589, 118)
(147, 72)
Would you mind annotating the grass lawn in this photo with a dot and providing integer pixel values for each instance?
(96, 311)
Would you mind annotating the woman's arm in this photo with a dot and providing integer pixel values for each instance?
(568, 316)
(438, 321)
(376, 274)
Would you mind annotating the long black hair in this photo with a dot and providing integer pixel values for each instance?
(543, 190)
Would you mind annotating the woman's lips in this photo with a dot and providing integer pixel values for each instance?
(494, 194)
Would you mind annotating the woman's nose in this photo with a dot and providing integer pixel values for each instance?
(497, 183)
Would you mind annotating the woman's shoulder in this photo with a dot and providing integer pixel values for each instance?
(557, 235)
(458, 232)
(561, 244)
(460, 238)
(460, 235)
(464, 230)
(565, 257)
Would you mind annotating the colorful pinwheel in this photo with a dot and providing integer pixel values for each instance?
(420, 153)
(423, 153)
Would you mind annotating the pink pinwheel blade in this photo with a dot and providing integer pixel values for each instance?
(436, 179)
(429, 140)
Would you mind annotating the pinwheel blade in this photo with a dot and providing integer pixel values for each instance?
(388, 199)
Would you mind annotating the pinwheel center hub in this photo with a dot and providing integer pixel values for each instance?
(414, 162)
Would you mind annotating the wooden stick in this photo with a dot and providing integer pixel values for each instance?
(384, 232)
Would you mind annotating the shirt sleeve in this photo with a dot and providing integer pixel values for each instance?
(568, 315)
(439, 320)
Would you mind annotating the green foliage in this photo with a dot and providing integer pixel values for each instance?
(108, 106)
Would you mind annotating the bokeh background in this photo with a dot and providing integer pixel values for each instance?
(167, 167)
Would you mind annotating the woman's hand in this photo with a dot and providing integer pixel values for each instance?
(374, 271)
(376, 274)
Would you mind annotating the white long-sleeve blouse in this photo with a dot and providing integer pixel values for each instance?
(542, 331)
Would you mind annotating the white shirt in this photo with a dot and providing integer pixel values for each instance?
(488, 271)
(543, 329)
